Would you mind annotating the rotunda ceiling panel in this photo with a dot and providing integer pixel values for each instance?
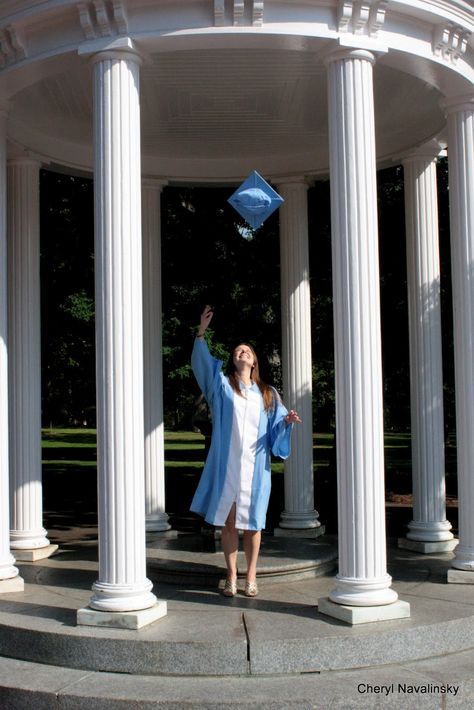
(221, 113)
(233, 102)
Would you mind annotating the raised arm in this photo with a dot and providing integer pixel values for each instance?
(205, 367)
(206, 317)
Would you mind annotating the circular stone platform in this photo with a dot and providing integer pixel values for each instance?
(281, 631)
(199, 559)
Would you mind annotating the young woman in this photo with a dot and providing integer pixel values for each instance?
(249, 424)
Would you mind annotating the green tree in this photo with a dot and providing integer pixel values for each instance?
(210, 257)
(67, 299)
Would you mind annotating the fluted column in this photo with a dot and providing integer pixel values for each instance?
(460, 117)
(156, 517)
(122, 585)
(9, 578)
(28, 537)
(362, 580)
(429, 531)
(299, 514)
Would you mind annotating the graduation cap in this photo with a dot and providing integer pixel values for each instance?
(255, 200)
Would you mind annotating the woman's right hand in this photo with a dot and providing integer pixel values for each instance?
(206, 317)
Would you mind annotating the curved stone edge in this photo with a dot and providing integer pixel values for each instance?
(210, 576)
(26, 685)
(229, 650)
(362, 650)
(276, 564)
(224, 655)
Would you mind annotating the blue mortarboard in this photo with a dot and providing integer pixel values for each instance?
(255, 200)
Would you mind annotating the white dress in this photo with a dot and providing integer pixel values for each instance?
(241, 462)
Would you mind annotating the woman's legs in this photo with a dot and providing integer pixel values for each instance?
(230, 544)
(252, 539)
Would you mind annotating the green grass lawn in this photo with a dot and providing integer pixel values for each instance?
(182, 448)
(76, 448)
(70, 478)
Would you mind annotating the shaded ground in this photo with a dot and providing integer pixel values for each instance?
(70, 483)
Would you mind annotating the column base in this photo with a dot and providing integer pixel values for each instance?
(364, 614)
(464, 558)
(14, 584)
(120, 598)
(427, 547)
(37, 553)
(28, 539)
(299, 521)
(299, 532)
(132, 620)
(157, 524)
(429, 532)
(460, 576)
(363, 592)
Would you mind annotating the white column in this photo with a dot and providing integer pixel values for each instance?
(9, 578)
(28, 537)
(156, 517)
(429, 531)
(460, 117)
(299, 517)
(362, 580)
(122, 585)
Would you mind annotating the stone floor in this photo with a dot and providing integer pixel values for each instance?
(275, 651)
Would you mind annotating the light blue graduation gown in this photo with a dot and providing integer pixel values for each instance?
(274, 437)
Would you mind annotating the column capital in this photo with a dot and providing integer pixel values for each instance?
(24, 160)
(106, 48)
(456, 104)
(428, 151)
(353, 47)
(338, 54)
(154, 184)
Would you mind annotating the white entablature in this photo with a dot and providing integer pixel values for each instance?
(204, 62)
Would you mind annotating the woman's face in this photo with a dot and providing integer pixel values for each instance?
(243, 354)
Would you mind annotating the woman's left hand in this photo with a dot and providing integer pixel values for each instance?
(292, 417)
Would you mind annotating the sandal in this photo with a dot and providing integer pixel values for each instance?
(230, 588)
(251, 589)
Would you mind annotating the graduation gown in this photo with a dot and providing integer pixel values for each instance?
(244, 436)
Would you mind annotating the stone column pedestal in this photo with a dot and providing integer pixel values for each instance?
(460, 117)
(363, 586)
(429, 531)
(299, 519)
(27, 537)
(10, 580)
(156, 518)
(123, 595)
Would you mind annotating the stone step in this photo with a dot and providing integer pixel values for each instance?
(282, 631)
(240, 637)
(199, 559)
(433, 683)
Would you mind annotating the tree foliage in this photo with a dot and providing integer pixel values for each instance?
(67, 299)
(209, 256)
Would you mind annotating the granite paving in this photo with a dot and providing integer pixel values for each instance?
(274, 651)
